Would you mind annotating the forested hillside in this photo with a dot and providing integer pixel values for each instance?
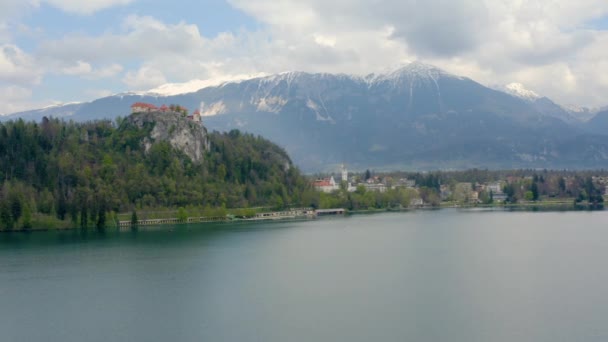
(76, 174)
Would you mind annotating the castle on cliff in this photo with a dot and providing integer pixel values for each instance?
(142, 107)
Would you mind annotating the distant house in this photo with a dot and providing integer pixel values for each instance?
(494, 187)
(326, 184)
(141, 107)
(416, 202)
(474, 197)
(408, 183)
(164, 108)
(378, 187)
(463, 192)
(499, 198)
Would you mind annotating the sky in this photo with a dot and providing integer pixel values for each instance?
(58, 51)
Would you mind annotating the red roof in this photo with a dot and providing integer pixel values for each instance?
(197, 112)
(324, 182)
(164, 107)
(143, 105)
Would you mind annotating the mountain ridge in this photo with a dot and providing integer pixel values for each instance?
(416, 116)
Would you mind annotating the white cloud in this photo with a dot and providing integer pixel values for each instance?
(85, 7)
(85, 70)
(142, 38)
(325, 40)
(5, 33)
(98, 93)
(545, 44)
(9, 9)
(108, 71)
(16, 99)
(17, 67)
(13, 9)
(144, 78)
(80, 68)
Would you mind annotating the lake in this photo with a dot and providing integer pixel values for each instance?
(443, 275)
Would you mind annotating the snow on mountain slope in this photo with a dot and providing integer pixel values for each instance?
(519, 90)
(412, 71)
(172, 89)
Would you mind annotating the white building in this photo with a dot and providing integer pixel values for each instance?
(494, 187)
(326, 185)
(378, 187)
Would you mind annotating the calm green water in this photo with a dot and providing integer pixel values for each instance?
(443, 275)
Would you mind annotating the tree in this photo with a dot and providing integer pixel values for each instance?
(534, 190)
(61, 208)
(134, 220)
(26, 223)
(101, 218)
(509, 190)
(221, 172)
(5, 215)
(16, 208)
(182, 214)
(562, 184)
(84, 218)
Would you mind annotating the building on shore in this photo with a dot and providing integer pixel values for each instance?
(326, 184)
(329, 184)
(495, 187)
(378, 187)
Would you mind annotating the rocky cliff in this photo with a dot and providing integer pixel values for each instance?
(183, 134)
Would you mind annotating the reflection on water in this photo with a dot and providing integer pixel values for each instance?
(457, 275)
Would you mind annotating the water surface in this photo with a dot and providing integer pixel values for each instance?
(444, 275)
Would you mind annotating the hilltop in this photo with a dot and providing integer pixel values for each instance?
(66, 174)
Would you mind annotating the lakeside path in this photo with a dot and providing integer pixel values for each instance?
(311, 214)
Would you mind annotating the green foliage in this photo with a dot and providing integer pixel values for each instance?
(80, 172)
(134, 219)
(26, 222)
(361, 199)
(6, 219)
(182, 214)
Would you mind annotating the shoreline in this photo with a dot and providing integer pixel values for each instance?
(310, 214)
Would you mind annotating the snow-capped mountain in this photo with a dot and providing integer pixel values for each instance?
(416, 116)
(541, 103)
(519, 90)
(584, 113)
(172, 89)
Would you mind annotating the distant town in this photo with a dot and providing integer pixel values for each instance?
(472, 187)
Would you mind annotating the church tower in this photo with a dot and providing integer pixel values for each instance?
(344, 174)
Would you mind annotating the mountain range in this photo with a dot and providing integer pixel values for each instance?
(414, 117)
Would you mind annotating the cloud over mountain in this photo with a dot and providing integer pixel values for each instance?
(555, 47)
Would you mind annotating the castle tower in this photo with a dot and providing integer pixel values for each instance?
(196, 116)
(344, 174)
